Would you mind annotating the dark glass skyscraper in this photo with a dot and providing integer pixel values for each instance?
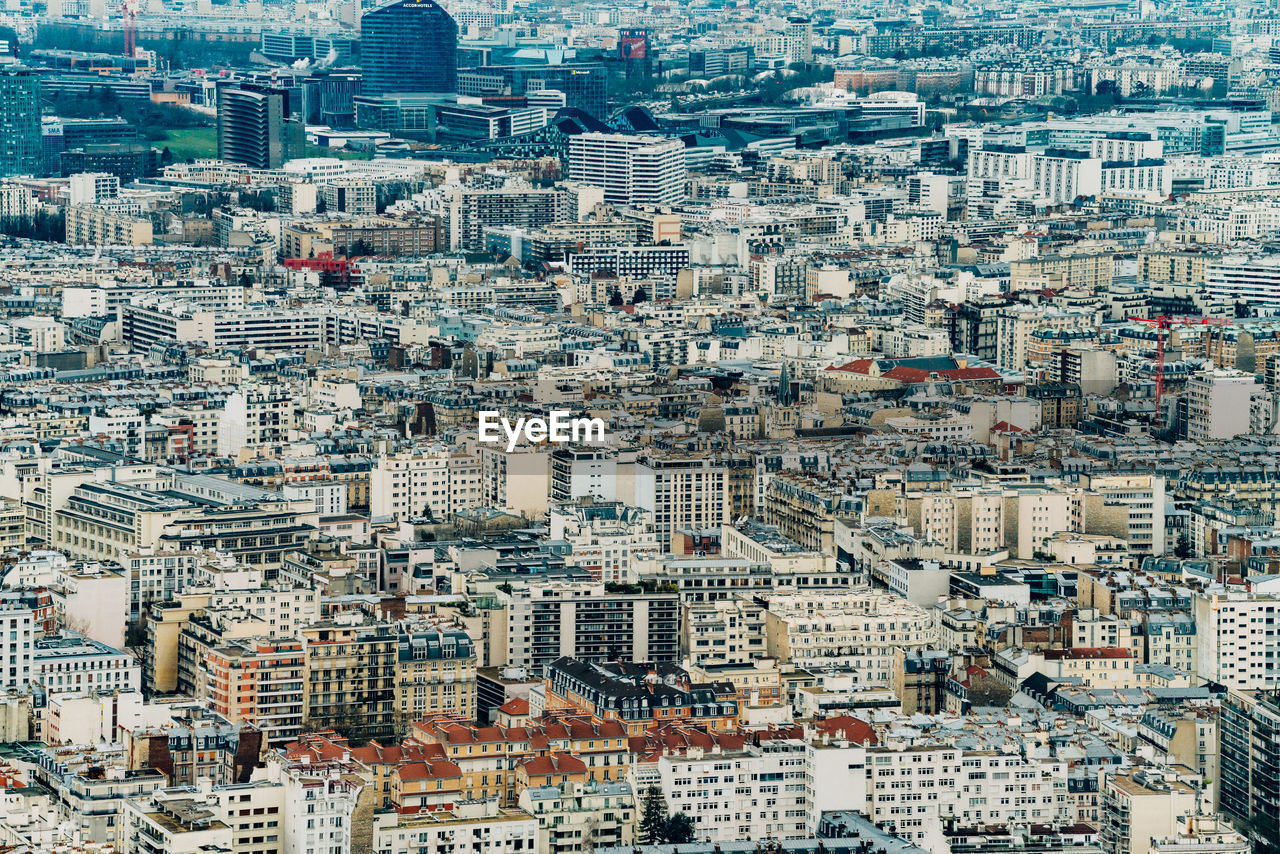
(409, 46)
(21, 143)
(255, 128)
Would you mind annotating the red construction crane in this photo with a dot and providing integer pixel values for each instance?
(129, 10)
(1163, 323)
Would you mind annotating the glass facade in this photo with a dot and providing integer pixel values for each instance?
(21, 143)
(409, 46)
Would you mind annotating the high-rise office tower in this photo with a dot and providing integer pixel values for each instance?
(254, 127)
(21, 151)
(632, 170)
(409, 46)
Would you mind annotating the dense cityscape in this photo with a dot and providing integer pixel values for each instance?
(646, 427)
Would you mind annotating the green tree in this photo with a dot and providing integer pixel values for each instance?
(678, 829)
(640, 295)
(1183, 548)
(615, 296)
(653, 817)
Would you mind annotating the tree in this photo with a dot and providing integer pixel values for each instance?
(615, 296)
(639, 296)
(678, 829)
(653, 816)
(1183, 548)
(988, 692)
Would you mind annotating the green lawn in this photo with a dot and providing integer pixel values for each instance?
(341, 154)
(189, 143)
(195, 143)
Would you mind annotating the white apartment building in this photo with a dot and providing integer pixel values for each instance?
(38, 334)
(1002, 789)
(1252, 280)
(16, 201)
(485, 826)
(580, 619)
(256, 415)
(156, 577)
(350, 196)
(604, 536)
(329, 496)
(904, 104)
(723, 631)
(1237, 641)
(1127, 147)
(518, 481)
(73, 663)
(1218, 402)
(319, 804)
(758, 793)
(90, 188)
(574, 817)
(124, 423)
(799, 33)
(1150, 179)
(911, 789)
(282, 609)
(17, 625)
(107, 298)
(632, 170)
(1061, 176)
(694, 492)
(430, 480)
(994, 162)
(862, 627)
(1131, 506)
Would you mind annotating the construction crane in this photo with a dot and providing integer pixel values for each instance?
(1163, 323)
(129, 11)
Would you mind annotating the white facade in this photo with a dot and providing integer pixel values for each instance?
(330, 496)
(999, 789)
(432, 480)
(759, 793)
(632, 170)
(17, 629)
(1218, 403)
(123, 423)
(1236, 645)
(255, 416)
(90, 188)
(1254, 281)
(72, 663)
(483, 825)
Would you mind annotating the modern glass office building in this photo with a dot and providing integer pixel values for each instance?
(21, 144)
(409, 46)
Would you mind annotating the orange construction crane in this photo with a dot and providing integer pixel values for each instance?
(1163, 323)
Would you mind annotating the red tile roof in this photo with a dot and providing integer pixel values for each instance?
(516, 706)
(1086, 652)
(554, 763)
(970, 374)
(857, 366)
(849, 728)
(437, 770)
(903, 374)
